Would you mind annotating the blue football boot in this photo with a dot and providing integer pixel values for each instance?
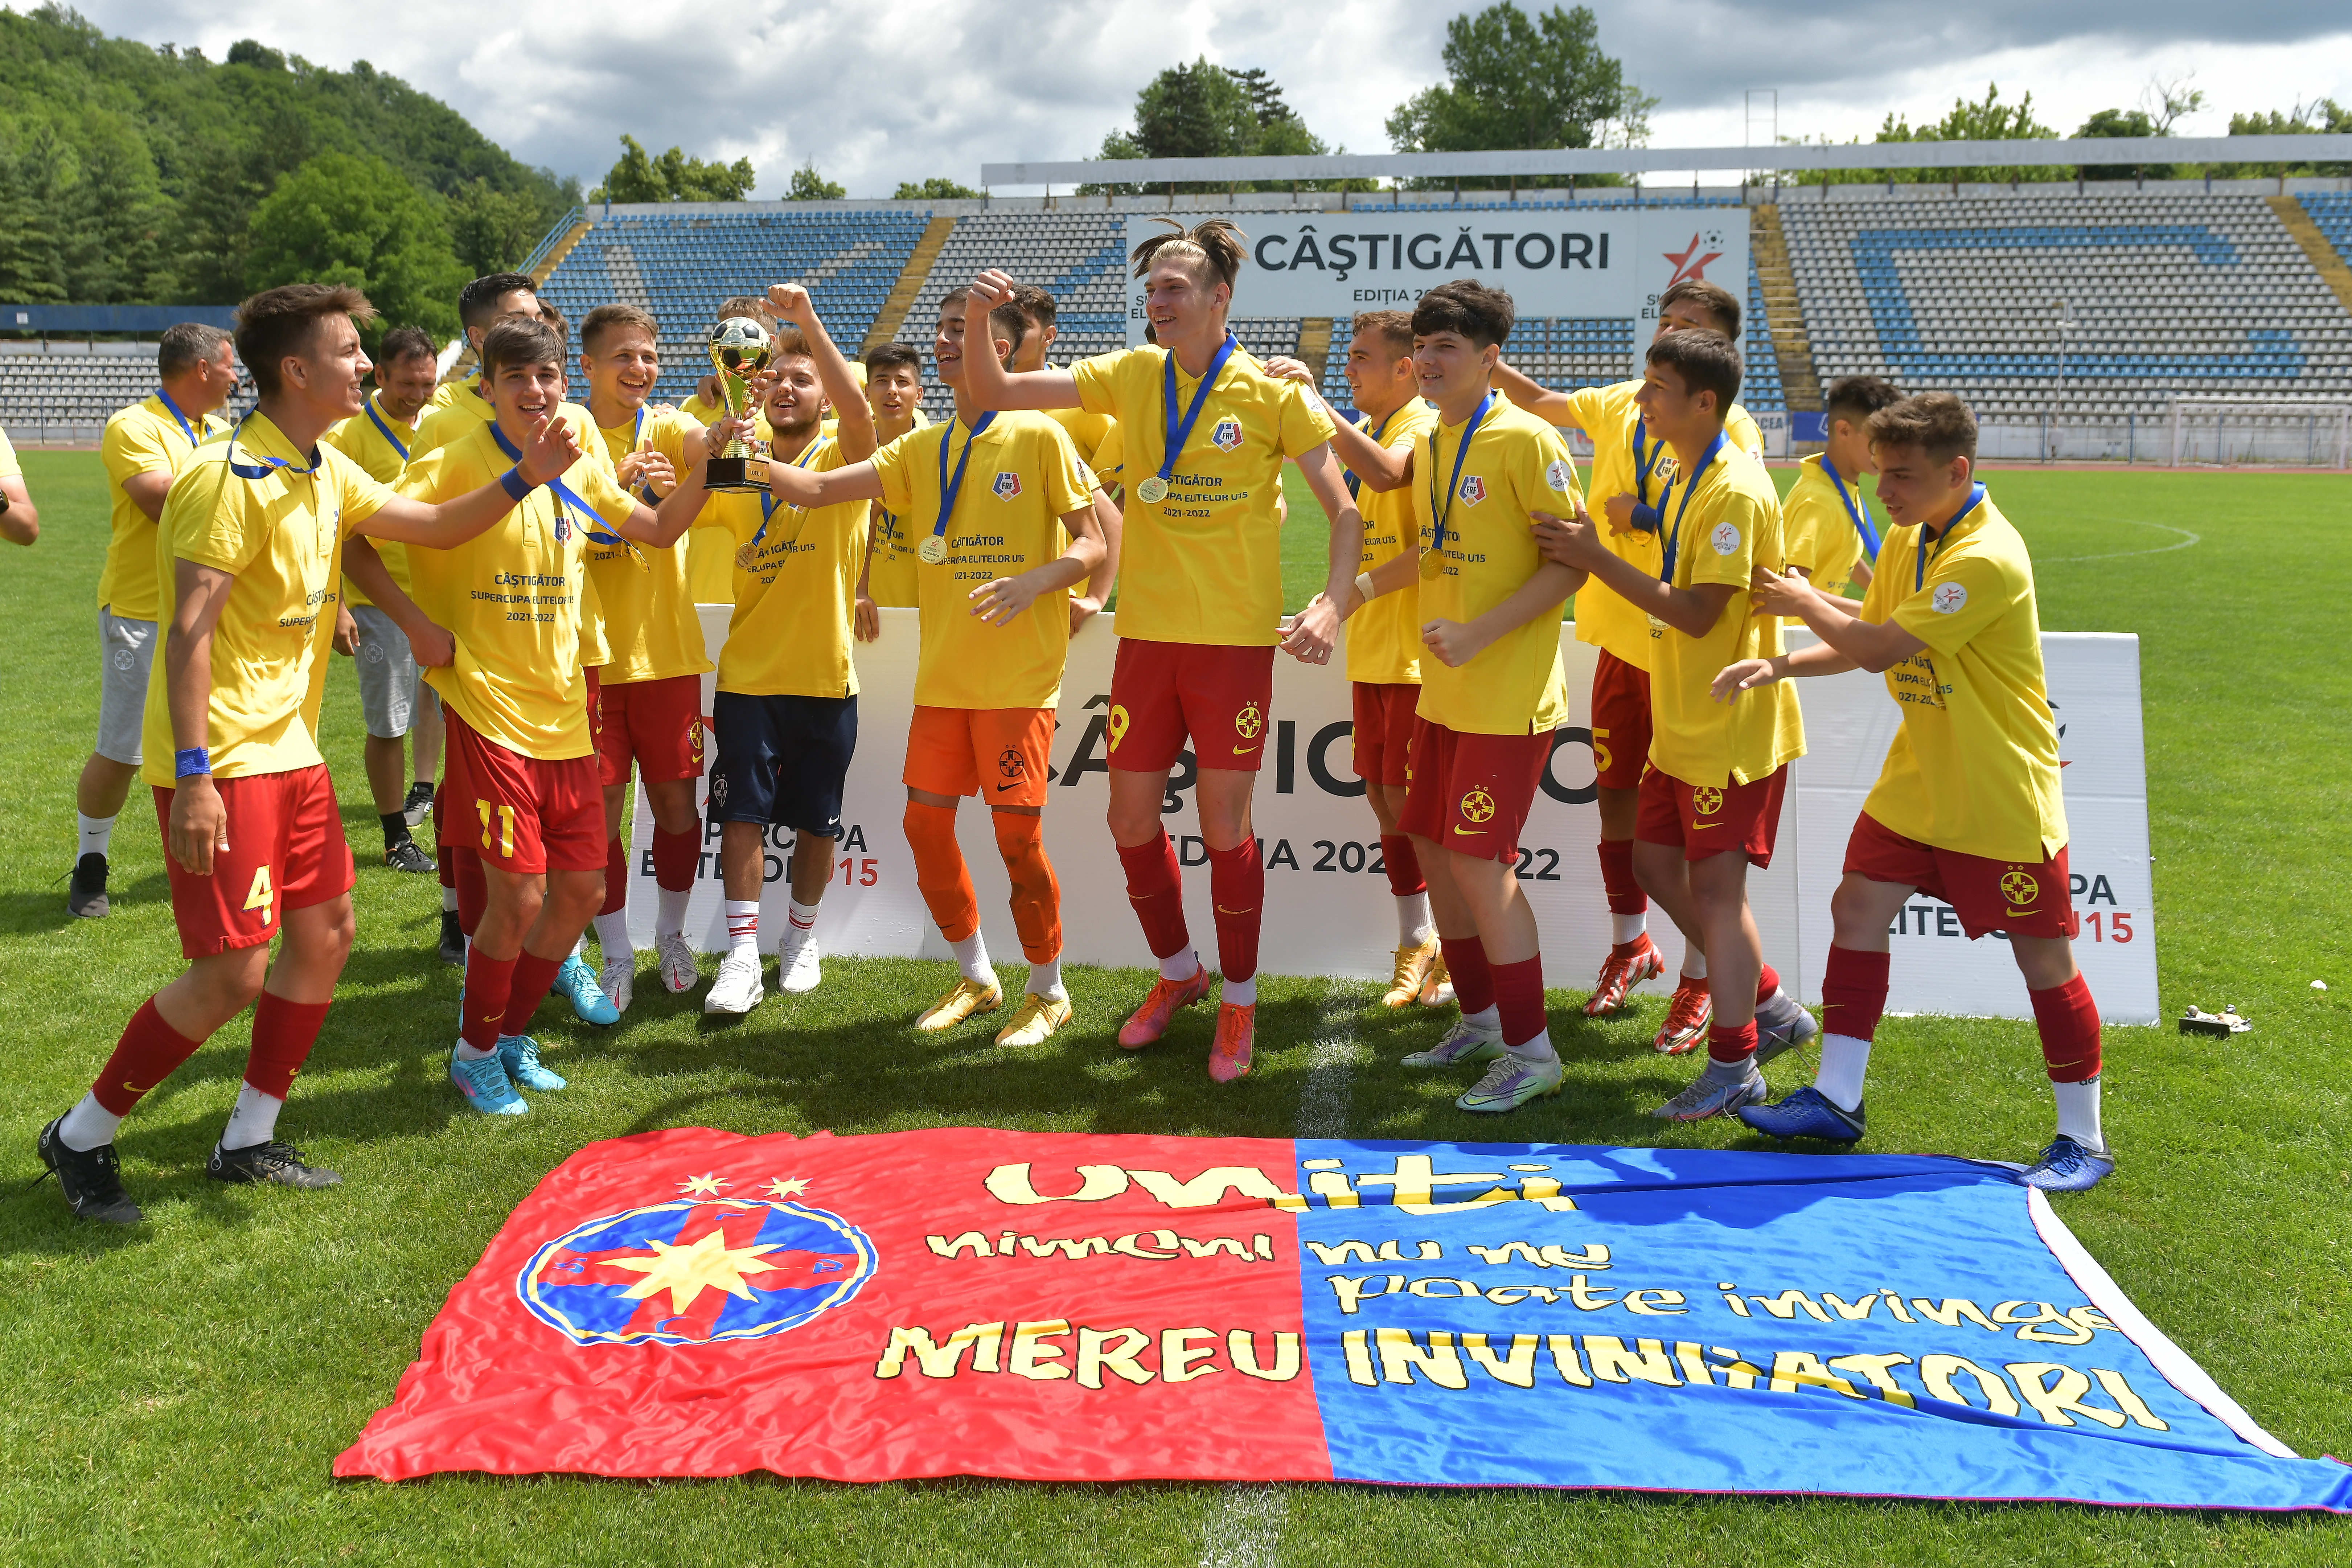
(486, 1086)
(519, 1054)
(578, 981)
(1808, 1113)
(2067, 1167)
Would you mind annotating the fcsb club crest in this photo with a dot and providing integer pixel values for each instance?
(1008, 764)
(1706, 800)
(1474, 488)
(2020, 888)
(1249, 721)
(1007, 486)
(1227, 435)
(695, 1271)
(1477, 807)
(694, 733)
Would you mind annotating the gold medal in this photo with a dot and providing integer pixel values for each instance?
(932, 551)
(1433, 564)
(1152, 491)
(745, 556)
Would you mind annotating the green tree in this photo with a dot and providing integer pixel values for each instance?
(2123, 123)
(672, 177)
(2322, 116)
(492, 230)
(1988, 121)
(1203, 110)
(808, 185)
(349, 218)
(938, 188)
(1513, 81)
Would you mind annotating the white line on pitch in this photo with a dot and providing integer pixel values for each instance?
(2187, 541)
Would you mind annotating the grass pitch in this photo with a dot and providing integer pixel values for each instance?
(177, 1392)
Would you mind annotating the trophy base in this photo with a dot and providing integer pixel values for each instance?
(736, 474)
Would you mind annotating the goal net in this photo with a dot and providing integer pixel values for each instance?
(2295, 432)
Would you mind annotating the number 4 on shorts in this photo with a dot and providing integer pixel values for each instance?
(259, 895)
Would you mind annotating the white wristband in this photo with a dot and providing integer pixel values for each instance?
(1364, 587)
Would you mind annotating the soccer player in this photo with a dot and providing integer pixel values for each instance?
(1832, 541)
(650, 695)
(521, 771)
(1711, 793)
(20, 520)
(1095, 436)
(1491, 692)
(481, 304)
(144, 445)
(993, 497)
(1630, 465)
(393, 697)
(254, 531)
(1206, 431)
(1967, 808)
(894, 391)
(786, 710)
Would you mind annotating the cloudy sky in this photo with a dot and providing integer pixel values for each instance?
(881, 92)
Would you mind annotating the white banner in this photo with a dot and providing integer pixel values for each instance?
(1570, 262)
(1327, 907)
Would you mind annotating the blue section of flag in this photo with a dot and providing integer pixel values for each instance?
(1902, 1329)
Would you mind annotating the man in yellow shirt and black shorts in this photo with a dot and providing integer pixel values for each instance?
(1206, 432)
(1967, 808)
(249, 554)
(1632, 463)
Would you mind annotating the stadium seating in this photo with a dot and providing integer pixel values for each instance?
(63, 392)
(2331, 212)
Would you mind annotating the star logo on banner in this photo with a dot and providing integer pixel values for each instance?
(705, 1187)
(705, 1263)
(786, 1187)
(1686, 267)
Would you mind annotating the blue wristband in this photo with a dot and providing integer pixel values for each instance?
(514, 484)
(194, 759)
(1648, 518)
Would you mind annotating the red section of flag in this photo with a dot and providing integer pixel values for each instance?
(637, 1315)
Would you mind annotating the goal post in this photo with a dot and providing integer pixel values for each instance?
(2313, 433)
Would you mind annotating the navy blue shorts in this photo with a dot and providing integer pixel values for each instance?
(781, 760)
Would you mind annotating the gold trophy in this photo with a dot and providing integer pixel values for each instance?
(739, 351)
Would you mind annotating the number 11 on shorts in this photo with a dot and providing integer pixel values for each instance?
(506, 826)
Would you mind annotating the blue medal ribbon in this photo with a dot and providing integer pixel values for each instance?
(172, 409)
(768, 502)
(566, 496)
(1356, 485)
(950, 486)
(1648, 518)
(1855, 510)
(1919, 559)
(1690, 485)
(264, 466)
(1453, 482)
(394, 442)
(1173, 435)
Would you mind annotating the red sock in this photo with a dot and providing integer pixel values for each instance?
(144, 1057)
(1625, 895)
(1237, 893)
(1767, 981)
(940, 875)
(617, 877)
(1403, 862)
(441, 843)
(283, 1033)
(1519, 995)
(677, 857)
(1465, 964)
(533, 978)
(1853, 993)
(488, 984)
(2068, 1021)
(473, 891)
(1155, 887)
(1731, 1042)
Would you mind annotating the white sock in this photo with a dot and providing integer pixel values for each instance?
(972, 957)
(1414, 927)
(2078, 1114)
(95, 832)
(88, 1126)
(580, 945)
(473, 1053)
(1182, 966)
(1694, 962)
(253, 1120)
(669, 913)
(448, 901)
(743, 928)
(1240, 993)
(1536, 1050)
(800, 924)
(1626, 928)
(1844, 1061)
(612, 934)
(1045, 980)
(1489, 1020)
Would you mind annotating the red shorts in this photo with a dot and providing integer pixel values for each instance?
(1384, 722)
(2022, 898)
(1219, 696)
(657, 722)
(1471, 793)
(1701, 820)
(516, 813)
(1621, 723)
(997, 753)
(286, 851)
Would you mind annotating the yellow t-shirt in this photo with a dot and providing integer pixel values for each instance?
(511, 597)
(1023, 476)
(1516, 465)
(1087, 430)
(790, 633)
(10, 469)
(647, 611)
(1821, 536)
(1384, 636)
(1204, 565)
(891, 570)
(1108, 461)
(1731, 521)
(1625, 461)
(282, 537)
(380, 448)
(1975, 766)
(140, 439)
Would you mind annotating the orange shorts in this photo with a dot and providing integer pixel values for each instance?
(2022, 898)
(1218, 695)
(1471, 793)
(997, 753)
(521, 814)
(1701, 820)
(1621, 723)
(286, 851)
(656, 722)
(1384, 722)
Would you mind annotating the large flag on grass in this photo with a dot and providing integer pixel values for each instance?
(1068, 1307)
